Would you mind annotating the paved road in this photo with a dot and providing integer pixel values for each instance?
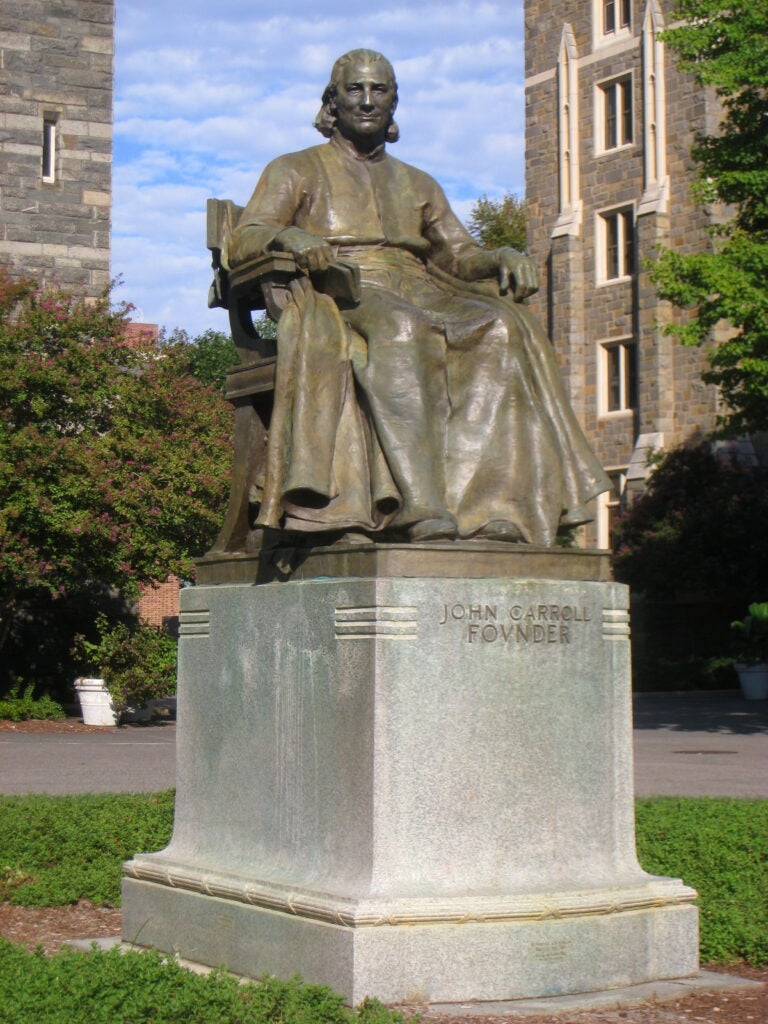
(693, 745)
(701, 745)
(133, 759)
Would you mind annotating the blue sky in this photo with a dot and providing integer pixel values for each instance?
(206, 94)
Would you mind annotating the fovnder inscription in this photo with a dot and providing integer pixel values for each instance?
(517, 624)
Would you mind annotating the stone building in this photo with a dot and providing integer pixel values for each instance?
(56, 140)
(609, 126)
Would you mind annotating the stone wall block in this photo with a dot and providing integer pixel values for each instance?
(58, 57)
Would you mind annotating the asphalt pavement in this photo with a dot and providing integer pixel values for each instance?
(130, 759)
(700, 744)
(685, 745)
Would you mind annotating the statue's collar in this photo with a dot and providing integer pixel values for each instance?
(349, 149)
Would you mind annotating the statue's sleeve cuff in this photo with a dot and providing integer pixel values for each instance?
(249, 240)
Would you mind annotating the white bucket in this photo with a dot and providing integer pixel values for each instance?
(754, 680)
(95, 702)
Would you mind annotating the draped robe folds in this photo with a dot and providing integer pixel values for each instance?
(434, 394)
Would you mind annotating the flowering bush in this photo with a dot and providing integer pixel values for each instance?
(114, 458)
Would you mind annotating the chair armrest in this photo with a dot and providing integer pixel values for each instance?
(263, 281)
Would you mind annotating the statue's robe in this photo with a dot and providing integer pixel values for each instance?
(434, 394)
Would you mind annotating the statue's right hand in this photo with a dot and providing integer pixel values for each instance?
(310, 252)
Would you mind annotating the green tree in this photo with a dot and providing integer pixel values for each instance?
(113, 459)
(725, 46)
(264, 326)
(210, 355)
(697, 529)
(497, 222)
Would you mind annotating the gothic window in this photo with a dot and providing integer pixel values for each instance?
(615, 104)
(618, 391)
(615, 244)
(617, 14)
(655, 196)
(569, 219)
(48, 170)
(609, 506)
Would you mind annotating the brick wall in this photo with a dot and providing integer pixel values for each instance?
(56, 66)
(159, 605)
(137, 333)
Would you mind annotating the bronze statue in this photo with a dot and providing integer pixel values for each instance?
(429, 403)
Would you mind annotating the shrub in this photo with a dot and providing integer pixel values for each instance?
(694, 551)
(20, 707)
(752, 634)
(136, 661)
(114, 459)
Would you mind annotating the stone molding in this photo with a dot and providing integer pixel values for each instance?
(364, 913)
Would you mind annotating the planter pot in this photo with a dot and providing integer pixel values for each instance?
(754, 680)
(96, 702)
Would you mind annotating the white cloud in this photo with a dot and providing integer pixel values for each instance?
(207, 94)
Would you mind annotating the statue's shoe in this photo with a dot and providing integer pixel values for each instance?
(433, 529)
(501, 529)
(352, 537)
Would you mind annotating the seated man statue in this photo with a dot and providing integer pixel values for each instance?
(433, 406)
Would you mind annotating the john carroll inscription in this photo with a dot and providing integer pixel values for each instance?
(519, 624)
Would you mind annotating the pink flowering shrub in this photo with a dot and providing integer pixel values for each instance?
(114, 463)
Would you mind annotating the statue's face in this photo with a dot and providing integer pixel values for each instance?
(364, 103)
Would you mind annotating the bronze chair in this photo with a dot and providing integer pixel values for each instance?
(261, 283)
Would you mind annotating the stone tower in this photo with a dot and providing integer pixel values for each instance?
(609, 126)
(56, 140)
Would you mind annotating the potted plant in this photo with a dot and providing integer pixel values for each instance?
(752, 651)
(129, 666)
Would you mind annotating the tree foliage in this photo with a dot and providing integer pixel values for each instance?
(497, 222)
(113, 458)
(210, 355)
(726, 47)
(697, 529)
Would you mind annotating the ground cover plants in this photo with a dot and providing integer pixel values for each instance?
(720, 847)
(57, 850)
(145, 988)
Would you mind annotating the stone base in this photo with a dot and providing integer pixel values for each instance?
(415, 789)
(492, 960)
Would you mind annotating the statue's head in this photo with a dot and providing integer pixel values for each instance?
(357, 64)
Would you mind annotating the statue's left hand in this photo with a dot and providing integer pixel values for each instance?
(516, 273)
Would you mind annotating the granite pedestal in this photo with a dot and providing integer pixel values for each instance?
(412, 788)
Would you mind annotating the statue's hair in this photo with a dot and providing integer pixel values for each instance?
(325, 122)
